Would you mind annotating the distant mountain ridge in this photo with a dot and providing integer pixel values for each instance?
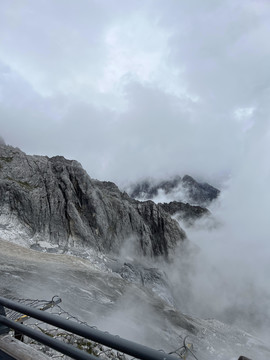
(55, 200)
(184, 189)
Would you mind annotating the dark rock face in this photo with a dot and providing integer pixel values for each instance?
(163, 230)
(195, 192)
(199, 193)
(146, 189)
(185, 212)
(54, 199)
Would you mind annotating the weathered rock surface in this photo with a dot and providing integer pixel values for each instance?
(54, 200)
(186, 212)
(183, 189)
(148, 190)
(199, 193)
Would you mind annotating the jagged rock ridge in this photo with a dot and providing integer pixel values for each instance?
(186, 212)
(199, 193)
(184, 189)
(54, 199)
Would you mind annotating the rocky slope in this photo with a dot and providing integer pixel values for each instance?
(54, 200)
(115, 300)
(53, 203)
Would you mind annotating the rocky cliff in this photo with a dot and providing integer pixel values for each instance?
(54, 200)
(185, 211)
(199, 193)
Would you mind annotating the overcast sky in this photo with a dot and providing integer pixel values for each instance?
(139, 87)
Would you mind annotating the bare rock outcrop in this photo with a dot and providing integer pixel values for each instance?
(185, 211)
(55, 200)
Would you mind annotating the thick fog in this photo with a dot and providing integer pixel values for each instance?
(228, 276)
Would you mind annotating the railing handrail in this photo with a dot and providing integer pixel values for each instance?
(55, 344)
(113, 341)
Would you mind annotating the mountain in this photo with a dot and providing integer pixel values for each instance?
(105, 257)
(184, 189)
(53, 200)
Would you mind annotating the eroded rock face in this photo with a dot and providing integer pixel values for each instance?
(164, 232)
(54, 199)
(186, 212)
(199, 193)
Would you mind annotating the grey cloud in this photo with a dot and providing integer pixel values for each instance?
(55, 44)
(217, 49)
(224, 48)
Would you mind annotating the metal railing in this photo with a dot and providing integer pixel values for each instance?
(115, 342)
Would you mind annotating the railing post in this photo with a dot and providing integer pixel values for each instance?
(3, 328)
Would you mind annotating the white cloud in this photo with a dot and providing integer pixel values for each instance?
(55, 45)
(245, 116)
(164, 87)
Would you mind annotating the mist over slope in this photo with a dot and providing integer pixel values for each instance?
(111, 253)
(227, 278)
(185, 199)
(92, 290)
